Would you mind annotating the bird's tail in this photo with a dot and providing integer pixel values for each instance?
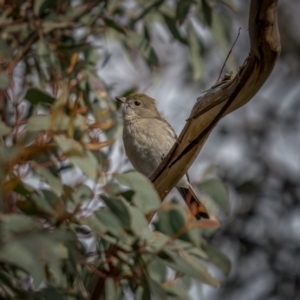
(193, 202)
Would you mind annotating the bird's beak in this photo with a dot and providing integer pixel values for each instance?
(121, 99)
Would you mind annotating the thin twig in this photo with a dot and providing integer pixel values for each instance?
(228, 55)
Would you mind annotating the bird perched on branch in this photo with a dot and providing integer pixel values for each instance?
(147, 140)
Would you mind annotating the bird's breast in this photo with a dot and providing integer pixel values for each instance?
(146, 143)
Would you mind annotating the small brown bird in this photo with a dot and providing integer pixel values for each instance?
(148, 138)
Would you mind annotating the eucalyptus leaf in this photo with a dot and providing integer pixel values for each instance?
(112, 24)
(216, 189)
(176, 292)
(171, 24)
(42, 204)
(87, 163)
(54, 182)
(4, 129)
(186, 263)
(94, 223)
(69, 146)
(120, 209)
(182, 9)
(17, 254)
(144, 47)
(36, 96)
(207, 11)
(39, 123)
(4, 49)
(195, 53)
(138, 222)
(4, 81)
(156, 289)
(113, 224)
(172, 221)
(110, 289)
(157, 270)
(218, 258)
(145, 197)
(221, 29)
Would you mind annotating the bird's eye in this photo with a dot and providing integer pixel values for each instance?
(137, 103)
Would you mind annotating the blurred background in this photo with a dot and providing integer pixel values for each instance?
(254, 150)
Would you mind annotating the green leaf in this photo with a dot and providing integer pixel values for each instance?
(38, 123)
(112, 24)
(110, 289)
(157, 270)
(50, 293)
(4, 81)
(148, 9)
(23, 189)
(4, 129)
(207, 11)
(183, 262)
(218, 258)
(230, 4)
(18, 255)
(156, 289)
(195, 53)
(87, 163)
(146, 288)
(113, 224)
(148, 37)
(69, 146)
(182, 9)
(216, 189)
(120, 209)
(175, 292)
(4, 49)
(47, 4)
(54, 182)
(42, 204)
(50, 26)
(9, 281)
(171, 24)
(28, 247)
(196, 251)
(145, 197)
(144, 47)
(82, 193)
(14, 223)
(221, 30)
(36, 96)
(138, 222)
(156, 241)
(95, 224)
(172, 221)
(54, 201)
(37, 6)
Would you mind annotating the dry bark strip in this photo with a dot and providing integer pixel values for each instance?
(219, 101)
(224, 97)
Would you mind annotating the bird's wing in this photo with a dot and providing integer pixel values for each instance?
(172, 133)
(169, 129)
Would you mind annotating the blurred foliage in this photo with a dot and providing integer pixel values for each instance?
(58, 119)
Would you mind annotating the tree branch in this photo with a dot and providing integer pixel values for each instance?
(224, 97)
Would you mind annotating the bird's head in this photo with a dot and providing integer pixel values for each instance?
(138, 106)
